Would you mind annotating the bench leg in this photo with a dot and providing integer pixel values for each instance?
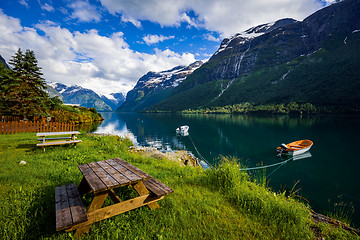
(142, 190)
(96, 203)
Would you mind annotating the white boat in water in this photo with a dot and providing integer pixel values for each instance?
(295, 148)
(183, 130)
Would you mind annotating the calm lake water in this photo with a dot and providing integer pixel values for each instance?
(329, 179)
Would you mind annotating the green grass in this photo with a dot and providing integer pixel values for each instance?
(213, 204)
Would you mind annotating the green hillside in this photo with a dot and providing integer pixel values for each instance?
(328, 77)
(315, 61)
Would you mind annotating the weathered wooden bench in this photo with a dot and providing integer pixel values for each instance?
(69, 207)
(69, 140)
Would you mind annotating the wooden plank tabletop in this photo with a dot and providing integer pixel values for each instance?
(112, 173)
(56, 133)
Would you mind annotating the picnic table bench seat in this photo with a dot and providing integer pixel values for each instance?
(56, 138)
(69, 207)
(156, 187)
(57, 143)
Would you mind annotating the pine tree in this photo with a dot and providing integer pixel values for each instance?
(17, 61)
(22, 89)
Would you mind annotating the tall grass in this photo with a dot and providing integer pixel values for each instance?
(285, 216)
(214, 204)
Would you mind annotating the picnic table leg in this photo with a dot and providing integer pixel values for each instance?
(115, 198)
(142, 190)
(96, 203)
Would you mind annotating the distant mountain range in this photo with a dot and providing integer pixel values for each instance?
(85, 97)
(114, 100)
(315, 60)
(153, 87)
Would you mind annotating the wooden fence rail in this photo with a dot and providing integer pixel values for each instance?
(29, 126)
(10, 119)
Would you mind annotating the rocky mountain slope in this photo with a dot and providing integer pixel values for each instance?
(316, 61)
(78, 95)
(154, 87)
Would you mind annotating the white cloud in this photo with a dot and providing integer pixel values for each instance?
(133, 21)
(163, 12)
(226, 17)
(151, 39)
(23, 2)
(211, 37)
(84, 11)
(103, 64)
(47, 7)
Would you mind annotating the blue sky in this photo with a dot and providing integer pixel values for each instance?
(107, 45)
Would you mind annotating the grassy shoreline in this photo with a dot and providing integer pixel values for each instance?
(214, 204)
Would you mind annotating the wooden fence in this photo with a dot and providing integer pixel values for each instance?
(37, 126)
(10, 119)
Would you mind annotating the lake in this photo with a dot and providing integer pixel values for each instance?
(328, 179)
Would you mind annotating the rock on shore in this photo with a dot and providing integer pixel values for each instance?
(183, 157)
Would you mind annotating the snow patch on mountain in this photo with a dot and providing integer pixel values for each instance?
(172, 77)
(252, 33)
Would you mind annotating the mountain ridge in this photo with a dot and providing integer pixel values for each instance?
(155, 86)
(280, 65)
(75, 94)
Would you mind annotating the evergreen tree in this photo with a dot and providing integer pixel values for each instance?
(17, 61)
(22, 89)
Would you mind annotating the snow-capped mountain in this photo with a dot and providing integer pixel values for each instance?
(78, 95)
(114, 100)
(251, 33)
(168, 78)
(155, 86)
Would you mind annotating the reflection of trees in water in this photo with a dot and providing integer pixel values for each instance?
(88, 127)
(269, 120)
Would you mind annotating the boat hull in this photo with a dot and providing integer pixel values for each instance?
(183, 130)
(297, 152)
(295, 148)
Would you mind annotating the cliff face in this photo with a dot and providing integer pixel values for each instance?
(265, 63)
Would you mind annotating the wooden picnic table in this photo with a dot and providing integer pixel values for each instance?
(102, 178)
(46, 141)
